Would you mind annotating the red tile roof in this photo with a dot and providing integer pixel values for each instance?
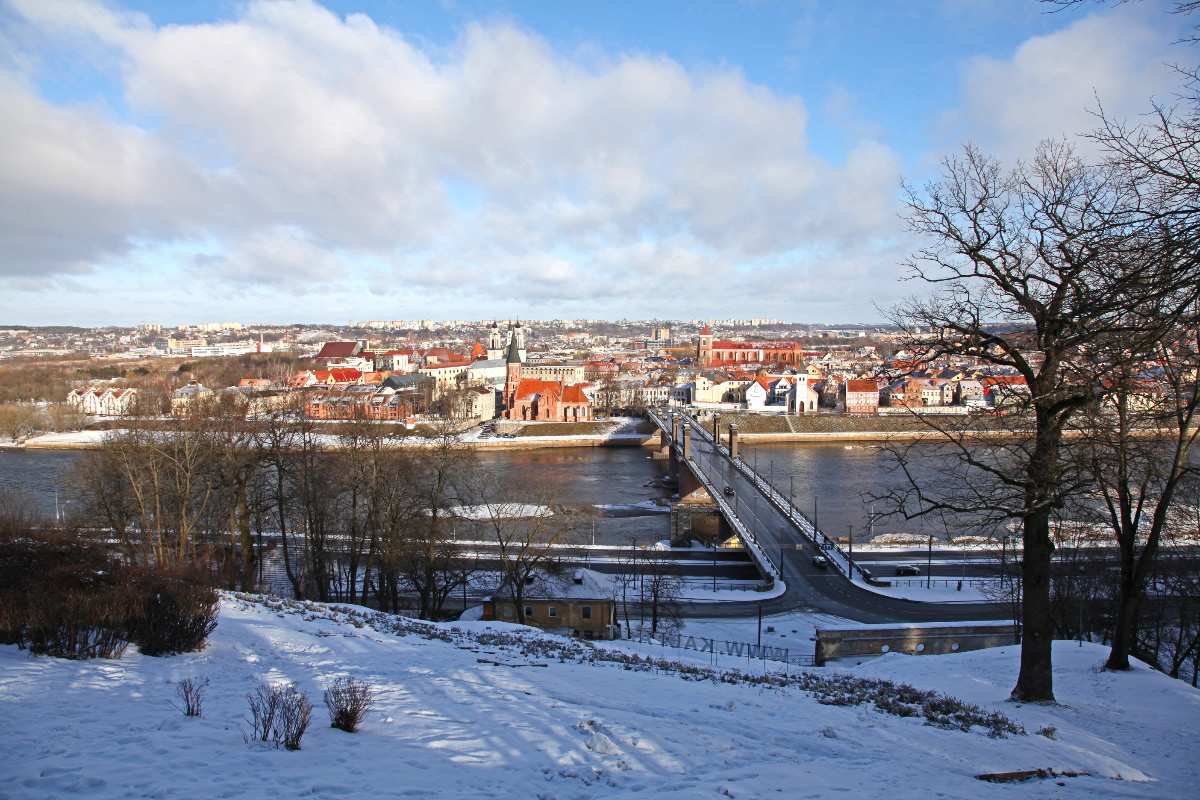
(338, 350)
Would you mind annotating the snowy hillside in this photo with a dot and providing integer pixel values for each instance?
(457, 718)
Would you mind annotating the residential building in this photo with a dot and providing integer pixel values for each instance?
(581, 605)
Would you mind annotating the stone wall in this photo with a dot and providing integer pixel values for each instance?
(874, 640)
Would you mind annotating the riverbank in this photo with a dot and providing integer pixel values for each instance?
(92, 440)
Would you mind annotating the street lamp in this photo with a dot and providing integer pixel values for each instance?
(929, 563)
(851, 554)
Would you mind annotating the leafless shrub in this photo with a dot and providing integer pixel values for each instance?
(348, 701)
(278, 714)
(295, 714)
(264, 705)
(190, 692)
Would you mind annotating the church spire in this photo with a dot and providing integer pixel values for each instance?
(514, 351)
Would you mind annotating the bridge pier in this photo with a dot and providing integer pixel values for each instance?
(697, 521)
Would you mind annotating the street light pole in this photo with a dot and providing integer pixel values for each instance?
(851, 555)
(929, 562)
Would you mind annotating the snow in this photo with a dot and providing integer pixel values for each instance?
(970, 592)
(461, 718)
(501, 510)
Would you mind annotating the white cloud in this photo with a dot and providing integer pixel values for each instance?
(593, 178)
(326, 157)
(1052, 83)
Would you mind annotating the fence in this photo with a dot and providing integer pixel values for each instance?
(940, 583)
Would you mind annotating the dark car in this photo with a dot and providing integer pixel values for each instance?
(728, 491)
(820, 562)
(908, 569)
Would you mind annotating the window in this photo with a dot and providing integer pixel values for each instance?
(529, 612)
(552, 612)
(508, 611)
(587, 612)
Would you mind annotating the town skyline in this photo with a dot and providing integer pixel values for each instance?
(281, 161)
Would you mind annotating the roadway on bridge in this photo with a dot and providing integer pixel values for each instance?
(808, 586)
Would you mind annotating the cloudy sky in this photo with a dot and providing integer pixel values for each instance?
(297, 162)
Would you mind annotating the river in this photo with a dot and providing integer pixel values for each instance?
(621, 483)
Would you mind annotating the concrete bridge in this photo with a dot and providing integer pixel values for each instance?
(720, 495)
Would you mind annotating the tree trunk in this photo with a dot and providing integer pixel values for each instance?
(1035, 683)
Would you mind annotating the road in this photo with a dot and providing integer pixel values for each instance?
(808, 586)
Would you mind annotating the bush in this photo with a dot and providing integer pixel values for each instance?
(60, 597)
(295, 714)
(348, 701)
(279, 714)
(190, 692)
(264, 706)
(171, 613)
(69, 598)
(76, 624)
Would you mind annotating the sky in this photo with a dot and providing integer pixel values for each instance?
(276, 162)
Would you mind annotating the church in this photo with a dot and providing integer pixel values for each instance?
(534, 399)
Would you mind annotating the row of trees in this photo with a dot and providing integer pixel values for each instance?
(1084, 278)
(356, 518)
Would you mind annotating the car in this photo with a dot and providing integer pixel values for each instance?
(820, 562)
(908, 569)
(728, 491)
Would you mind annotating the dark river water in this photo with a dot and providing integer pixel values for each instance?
(620, 482)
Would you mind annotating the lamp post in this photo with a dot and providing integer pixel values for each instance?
(714, 549)
(929, 562)
(850, 572)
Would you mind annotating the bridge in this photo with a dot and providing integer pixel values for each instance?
(714, 481)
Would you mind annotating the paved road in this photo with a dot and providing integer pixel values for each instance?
(809, 587)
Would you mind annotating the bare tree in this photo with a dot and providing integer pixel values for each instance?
(661, 587)
(1030, 269)
(436, 480)
(528, 524)
(237, 459)
(1138, 452)
(278, 434)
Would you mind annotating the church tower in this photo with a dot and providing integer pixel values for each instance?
(495, 344)
(512, 376)
(704, 348)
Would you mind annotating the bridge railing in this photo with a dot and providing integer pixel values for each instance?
(840, 559)
(748, 535)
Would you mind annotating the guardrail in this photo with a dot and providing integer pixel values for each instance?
(748, 536)
(803, 524)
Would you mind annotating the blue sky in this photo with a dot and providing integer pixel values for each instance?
(305, 162)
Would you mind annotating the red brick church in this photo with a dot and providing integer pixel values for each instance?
(544, 401)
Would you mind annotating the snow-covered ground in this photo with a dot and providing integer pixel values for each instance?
(463, 718)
